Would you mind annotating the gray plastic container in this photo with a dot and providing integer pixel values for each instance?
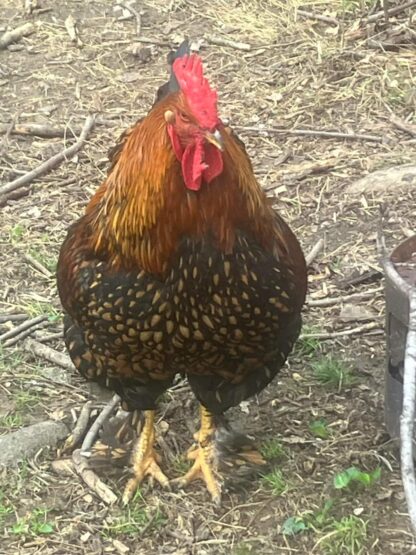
(397, 292)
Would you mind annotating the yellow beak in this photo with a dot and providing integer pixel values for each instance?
(215, 139)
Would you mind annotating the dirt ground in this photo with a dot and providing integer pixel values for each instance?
(346, 74)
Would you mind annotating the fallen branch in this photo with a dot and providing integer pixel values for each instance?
(155, 42)
(14, 195)
(12, 318)
(48, 132)
(366, 277)
(53, 162)
(49, 336)
(343, 333)
(28, 324)
(389, 13)
(16, 34)
(98, 422)
(91, 479)
(297, 172)
(43, 351)
(80, 428)
(313, 253)
(37, 265)
(37, 129)
(408, 414)
(409, 128)
(221, 41)
(312, 133)
(22, 335)
(343, 298)
(318, 17)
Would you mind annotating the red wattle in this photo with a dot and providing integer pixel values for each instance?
(214, 163)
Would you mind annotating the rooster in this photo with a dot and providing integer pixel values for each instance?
(181, 266)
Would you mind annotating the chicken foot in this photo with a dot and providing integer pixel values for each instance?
(145, 460)
(205, 466)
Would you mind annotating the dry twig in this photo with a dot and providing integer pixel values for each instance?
(408, 414)
(16, 34)
(37, 265)
(405, 126)
(318, 17)
(98, 422)
(27, 325)
(392, 11)
(52, 162)
(49, 336)
(311, 133)
(342, 333)
(221, 41)
(43, 351)
(136, 14)
(91, 479)
(313, 253)
(48, 132)
(12, 318)
(14, 195)
(331, 301)
(22, 335)
(80, 427)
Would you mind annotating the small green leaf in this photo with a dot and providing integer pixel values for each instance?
(45, 528)
(347, 477)
(20, 527)
(342, 479)
(293, 525)
(319, 428)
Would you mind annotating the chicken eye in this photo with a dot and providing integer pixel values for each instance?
(185, 117)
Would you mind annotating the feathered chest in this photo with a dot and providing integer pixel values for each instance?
(208, 298)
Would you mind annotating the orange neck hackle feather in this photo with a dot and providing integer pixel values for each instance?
(141, 212)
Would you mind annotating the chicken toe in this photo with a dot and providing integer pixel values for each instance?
(205, 465)
(145, 460)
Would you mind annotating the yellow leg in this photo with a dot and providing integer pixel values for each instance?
(205, 465)
(144, 458)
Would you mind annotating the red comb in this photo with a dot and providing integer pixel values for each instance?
(201, 98)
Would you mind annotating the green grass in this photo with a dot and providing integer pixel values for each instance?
(9, 360)
(38, 308)
(48, 261)
(10, 421)
(134, 518)
(309, 520)
(16, 233)
(344, 537)
(308, 346)
(272, 449)
(275, 482)
(242, 549)
(332, 372)
(353, 6)
(181, 464)
(25, 400)
(5, 509)
(34, 524)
